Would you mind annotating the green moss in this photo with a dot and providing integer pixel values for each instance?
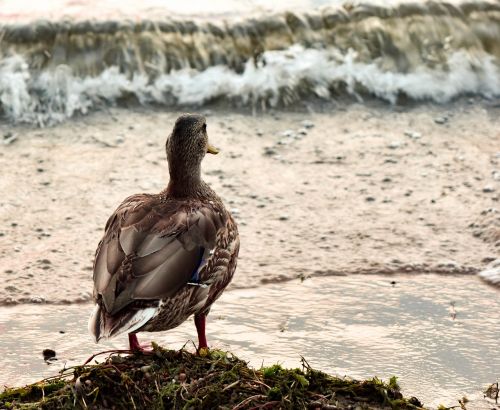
(170, 379)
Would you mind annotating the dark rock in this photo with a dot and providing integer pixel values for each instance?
(48, 354)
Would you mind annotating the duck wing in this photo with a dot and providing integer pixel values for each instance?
(151, 248)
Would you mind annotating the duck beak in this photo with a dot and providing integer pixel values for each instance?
(212, 150)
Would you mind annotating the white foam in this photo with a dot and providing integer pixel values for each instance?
(492, 273)
(286, 76)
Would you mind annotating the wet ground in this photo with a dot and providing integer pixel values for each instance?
(438, 334)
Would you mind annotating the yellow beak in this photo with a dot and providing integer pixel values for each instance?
(212, 150)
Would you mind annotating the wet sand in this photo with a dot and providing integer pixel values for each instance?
(364, 189)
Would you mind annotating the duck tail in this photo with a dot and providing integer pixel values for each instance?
(103, 325)
(95, 323)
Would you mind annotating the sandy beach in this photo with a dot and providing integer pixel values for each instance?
(366, 188)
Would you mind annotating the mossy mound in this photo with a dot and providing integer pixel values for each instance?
(168, 379)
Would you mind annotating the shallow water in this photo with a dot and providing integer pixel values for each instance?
(438, 335)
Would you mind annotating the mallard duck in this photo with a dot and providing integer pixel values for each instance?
(166, 256)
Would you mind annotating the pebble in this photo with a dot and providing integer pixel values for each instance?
(283, 218)
(488, 189)
(413, 135)
(302, 131)
(307, 124)
(394, 145)
(48, 354)
(441, 120)
(37, 299)
(369, 199)
(288, 134)
(269, 151)
(9, 138)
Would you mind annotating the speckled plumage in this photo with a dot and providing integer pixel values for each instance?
(167, 256)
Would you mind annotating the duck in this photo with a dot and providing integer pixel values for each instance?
(165, 257)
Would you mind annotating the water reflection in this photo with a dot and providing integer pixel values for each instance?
(358, 325)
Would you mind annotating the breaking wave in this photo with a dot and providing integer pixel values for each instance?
(422, 51)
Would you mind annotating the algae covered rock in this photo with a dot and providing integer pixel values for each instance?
(168, 379)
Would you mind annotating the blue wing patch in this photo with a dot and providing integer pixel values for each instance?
(195, 277)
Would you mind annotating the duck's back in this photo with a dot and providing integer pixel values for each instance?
(161, 259)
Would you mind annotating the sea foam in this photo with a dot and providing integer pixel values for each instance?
(279, 78)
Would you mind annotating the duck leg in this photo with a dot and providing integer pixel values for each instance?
(134, 344)
(200, 321)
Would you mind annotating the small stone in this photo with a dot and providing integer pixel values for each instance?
(119, 140)
(235, 211)
(48, 354)
(307, 124)
(288, 134)
(394, 145)
(9, 138)
(302, 131)
(441, 120)
(369, 199)
(37, 299)
(283, 218)
(269, 151)
(284, 141)
(259, 133)
(488, 189)
(413, 135)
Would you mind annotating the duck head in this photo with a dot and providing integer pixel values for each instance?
(186, 147)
